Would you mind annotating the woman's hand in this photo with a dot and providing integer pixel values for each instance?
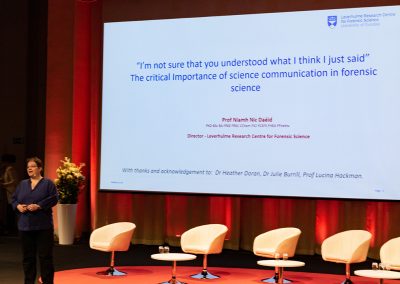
(33, 207)
(22, 208)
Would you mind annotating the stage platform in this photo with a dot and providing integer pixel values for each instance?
(78, 263)
(157, 274)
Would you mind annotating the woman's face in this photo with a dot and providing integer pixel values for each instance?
(32, 169)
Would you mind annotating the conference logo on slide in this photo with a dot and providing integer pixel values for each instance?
(332, 21)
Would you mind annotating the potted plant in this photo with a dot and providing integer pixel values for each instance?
(69, 182)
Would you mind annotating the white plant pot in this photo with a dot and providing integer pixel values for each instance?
(66, 217)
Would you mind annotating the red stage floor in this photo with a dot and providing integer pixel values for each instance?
(157, 274)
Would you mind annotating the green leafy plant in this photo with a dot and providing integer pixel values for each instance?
(69, 182)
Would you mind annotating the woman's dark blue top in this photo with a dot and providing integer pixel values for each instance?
(45, 195)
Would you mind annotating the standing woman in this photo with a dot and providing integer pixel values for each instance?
(33, 201)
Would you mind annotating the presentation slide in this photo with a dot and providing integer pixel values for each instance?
(289, 104)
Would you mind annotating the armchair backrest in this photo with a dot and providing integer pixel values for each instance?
(116, 236)
(350, 246)
(390, 253)
(281, 240)
(210, 237)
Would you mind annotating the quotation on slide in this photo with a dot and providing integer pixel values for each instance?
(280, 104)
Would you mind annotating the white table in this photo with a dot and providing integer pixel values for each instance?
(379, 274)
(279, 265)
(174, 257)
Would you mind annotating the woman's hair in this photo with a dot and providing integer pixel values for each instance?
(38, 161)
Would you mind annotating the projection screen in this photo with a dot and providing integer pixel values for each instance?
(279, 104)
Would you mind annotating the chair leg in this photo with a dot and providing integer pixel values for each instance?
(204, 274)
(274, 279)
(348, 274)
(111, 271)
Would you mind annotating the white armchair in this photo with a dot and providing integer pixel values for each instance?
(390, 253)
(111, 238)
(205, 239)
(346, 247)
(277, 241)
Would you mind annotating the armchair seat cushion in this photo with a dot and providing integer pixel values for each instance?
(197, 249)
(335, 259)
(267, 252)
(102, 246)
(394, 266)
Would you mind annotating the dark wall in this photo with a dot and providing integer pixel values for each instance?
(36, 79)
(22, 78)
(124, 10)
